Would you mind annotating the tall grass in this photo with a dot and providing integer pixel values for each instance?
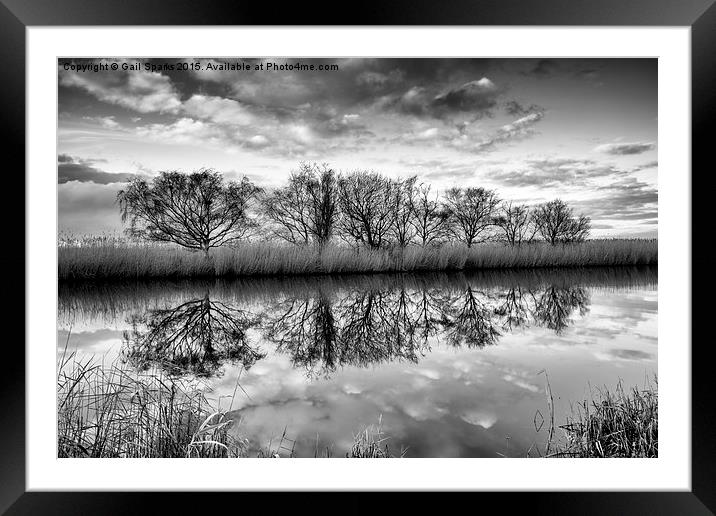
(371, 443)
(110, 411)
(614, 423)
(116, 261)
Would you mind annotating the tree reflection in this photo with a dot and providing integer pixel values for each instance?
(554, 306)
(306, 330)
(513, 307)
(323, 329)
(471, 319)
(322, 332)
(196, 337)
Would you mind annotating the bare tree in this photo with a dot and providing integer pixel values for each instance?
(365, 200)
(288, 209)
(516, 223)
(429, 217)
(304, 211)
(402, 228)
(471, 212)
(556, 223)
(197, 211)
(322, 187)
(578, 229)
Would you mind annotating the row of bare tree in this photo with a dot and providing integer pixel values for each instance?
(363, 208)
(368, 208)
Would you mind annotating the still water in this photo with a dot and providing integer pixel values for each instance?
(452, 364)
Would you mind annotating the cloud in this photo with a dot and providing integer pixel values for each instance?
(107, 122)
(550, 172)
(217, 109)
(145, 92)
(520, 129)
(88, 207)
(645, 166)
(476, 99)
(514, 108)
(71, 169)
(627, 199)
(543, 68)
(621, 149)
(258, 142)
(185, 131)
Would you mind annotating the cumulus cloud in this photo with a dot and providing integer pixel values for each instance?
(258, 142)
(621, 149)
(217, 109)
(476, 99)
(185, 131)
(140, 91)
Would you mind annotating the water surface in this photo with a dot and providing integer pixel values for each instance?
(452, 364)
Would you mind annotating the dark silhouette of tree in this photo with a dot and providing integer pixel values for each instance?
(469, 320)
(378, 326)
(197, 211)
(429, 217)
(307, 330)
(428, 316)
(555, 306)
(305, 210)
(514, 308)
(363, 327)
(557, 224)
(322, 333)
(471, 212)
(365, 200)
(515, 223)
(402, 227)
(196, 337)
(323, 194)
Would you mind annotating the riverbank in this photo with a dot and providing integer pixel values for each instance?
(111, 411)
(149, 261)
(613, 423)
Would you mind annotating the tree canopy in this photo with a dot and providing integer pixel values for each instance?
(197, 211)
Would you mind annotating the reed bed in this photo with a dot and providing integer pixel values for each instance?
(371, 443)
(614, 423)
(117, 261)
(111, 412)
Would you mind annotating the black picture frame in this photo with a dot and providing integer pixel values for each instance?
(17, 15)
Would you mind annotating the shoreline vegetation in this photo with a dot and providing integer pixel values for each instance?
(117, 259)
(110, 411)
(613, 423)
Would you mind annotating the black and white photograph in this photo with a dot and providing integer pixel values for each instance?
(357, 257)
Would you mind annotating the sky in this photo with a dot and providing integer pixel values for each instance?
(583, 130)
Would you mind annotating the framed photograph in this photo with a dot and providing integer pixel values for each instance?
(426, 234)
